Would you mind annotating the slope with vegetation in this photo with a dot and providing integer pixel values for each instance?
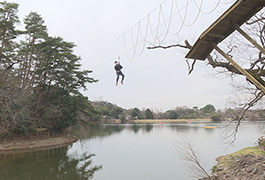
(244, 164)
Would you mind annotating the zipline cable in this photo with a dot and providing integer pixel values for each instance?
(120, 36)
(155, 37)
(156, 30)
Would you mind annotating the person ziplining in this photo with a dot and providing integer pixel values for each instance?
(118, 68)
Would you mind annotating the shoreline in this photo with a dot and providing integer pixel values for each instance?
(146, 121)
(53, 142)
(28, 145)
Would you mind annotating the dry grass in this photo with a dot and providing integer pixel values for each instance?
(249, 150)
(228, 159)
(146, 121)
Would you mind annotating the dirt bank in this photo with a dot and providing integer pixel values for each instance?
(25, 145)
(246, 164)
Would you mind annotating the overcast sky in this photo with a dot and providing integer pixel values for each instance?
(158, 79)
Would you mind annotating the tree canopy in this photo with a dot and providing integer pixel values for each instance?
(208, 109)
(40, 76)
(149, 114)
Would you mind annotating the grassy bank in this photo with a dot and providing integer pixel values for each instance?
(249, 150)
(153, 121)
(247, 163)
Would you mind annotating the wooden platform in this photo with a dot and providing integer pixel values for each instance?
(237, 14)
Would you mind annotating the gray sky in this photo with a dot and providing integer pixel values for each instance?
(157, 79)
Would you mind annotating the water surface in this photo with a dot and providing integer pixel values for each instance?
(129, 152)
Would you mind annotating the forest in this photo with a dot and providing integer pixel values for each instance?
(40, 77)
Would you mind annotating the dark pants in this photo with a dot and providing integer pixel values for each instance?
(119, 73)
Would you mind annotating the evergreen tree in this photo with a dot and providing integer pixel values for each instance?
(8, 21)
(208, 109)
(137, 113)
(149, 114)
(35, 33)
(43, 89)
(116, 112)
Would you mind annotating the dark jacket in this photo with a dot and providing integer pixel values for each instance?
(118, 67)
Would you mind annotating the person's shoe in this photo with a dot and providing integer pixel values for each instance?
(122, 83)
(116, 84)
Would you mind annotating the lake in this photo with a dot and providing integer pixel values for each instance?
(130, 152)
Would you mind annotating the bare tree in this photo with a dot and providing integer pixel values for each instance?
(14, 103)
(190, 156)
(247, 55)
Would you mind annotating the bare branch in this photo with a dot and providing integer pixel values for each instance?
(192, 66)
(187, 46)
(241, 115)
(255, 21)
(166, 47)
(190, 158)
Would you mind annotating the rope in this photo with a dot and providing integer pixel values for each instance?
(126, 51)
(140, 38)
(143, 39)
(196, 15)
(157, 28)
(200, 9)
(169, 21)
(186, 10)
(155, 37)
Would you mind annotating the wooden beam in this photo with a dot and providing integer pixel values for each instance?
(242, 70)
(217, 35)
(252, 41)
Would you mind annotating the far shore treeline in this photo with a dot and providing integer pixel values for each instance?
(111, 111)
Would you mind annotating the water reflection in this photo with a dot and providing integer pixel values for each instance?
(88, 132)
(136, 128)
(101, 131)
(124, 150)
(149, 127)
(52, 164)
